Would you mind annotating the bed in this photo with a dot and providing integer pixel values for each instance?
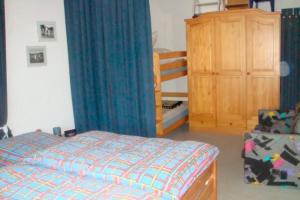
(172, 114)
(13, 150)
(109, 165)
(168, 66)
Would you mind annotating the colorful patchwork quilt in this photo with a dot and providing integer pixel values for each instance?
(165, 167)
(25, 182)
(272, 159)
(13, 150)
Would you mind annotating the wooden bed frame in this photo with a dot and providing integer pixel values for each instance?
(158, 79)
(205, 186)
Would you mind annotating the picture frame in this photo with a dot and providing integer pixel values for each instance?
(36, 56)
(46, 31)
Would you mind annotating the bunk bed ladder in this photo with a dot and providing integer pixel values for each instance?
(198, 5)
(158, 98)
(160, 77)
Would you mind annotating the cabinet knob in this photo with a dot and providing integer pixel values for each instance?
(248, 73)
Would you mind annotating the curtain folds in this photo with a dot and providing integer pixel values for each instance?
(290, 53)
(110, 55)
(3, 86)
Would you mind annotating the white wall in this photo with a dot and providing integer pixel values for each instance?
(38, 97)
(168, 20)
(280, 4)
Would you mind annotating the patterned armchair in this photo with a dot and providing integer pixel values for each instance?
(272, 151)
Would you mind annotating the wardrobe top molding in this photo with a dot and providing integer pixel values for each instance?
(229, 12)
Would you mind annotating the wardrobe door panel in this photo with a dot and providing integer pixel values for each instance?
(261, 95)
(231, 110)
(230, 44)
(263, 45)
(202, 101)
(230, 71)
(263, 83)
(201, 61)
(200, 46)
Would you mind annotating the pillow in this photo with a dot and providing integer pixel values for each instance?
(277, 121)
(5, 132)
(171, 104)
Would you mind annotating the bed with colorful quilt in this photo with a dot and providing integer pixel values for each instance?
(13, 150)
(103, 165)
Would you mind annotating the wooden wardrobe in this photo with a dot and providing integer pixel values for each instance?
(233, 68)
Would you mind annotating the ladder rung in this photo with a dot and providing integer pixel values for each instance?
(207, 4)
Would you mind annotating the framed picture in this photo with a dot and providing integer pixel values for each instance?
(46, 31)
(36, 56)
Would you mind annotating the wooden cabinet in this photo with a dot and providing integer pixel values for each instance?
(233, 67)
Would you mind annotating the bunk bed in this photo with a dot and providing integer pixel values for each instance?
(169, 114)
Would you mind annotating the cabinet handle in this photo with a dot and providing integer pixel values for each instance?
(213, 73)
(248, 73)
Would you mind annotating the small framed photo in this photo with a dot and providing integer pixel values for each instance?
(46, 31)
(36, 56)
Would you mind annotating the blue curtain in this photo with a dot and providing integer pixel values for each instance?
(110, 56)
(290, 53)
(3, 89)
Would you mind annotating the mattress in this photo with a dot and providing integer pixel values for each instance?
(170, 116)
(164, 167)
(13, 150)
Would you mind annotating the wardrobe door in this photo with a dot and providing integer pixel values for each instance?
(230, 71)
(202, 109)
(262, 65)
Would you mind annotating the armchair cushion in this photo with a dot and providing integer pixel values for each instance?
(272, 159)
(276, 121)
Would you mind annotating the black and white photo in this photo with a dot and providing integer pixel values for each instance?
(46, 31)
(36, 56)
